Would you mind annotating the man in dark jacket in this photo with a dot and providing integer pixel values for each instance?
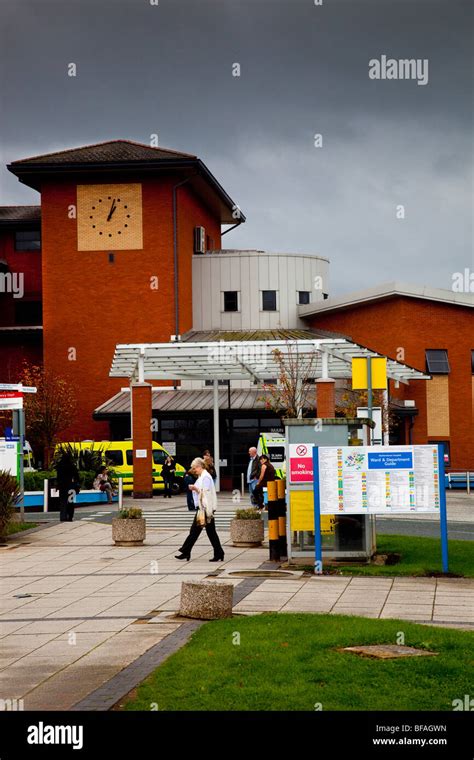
(253, 473)
(67, 478)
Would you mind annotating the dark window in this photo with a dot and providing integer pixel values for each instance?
(219, 382)
(269, 300)
(472, 360)
(28, 313)
(28, 240)
(325, 296)
(303, 296)
(437, 361)
(266, 381)
(231, 300)
(114, 457)
(159, 456)
(129, 456)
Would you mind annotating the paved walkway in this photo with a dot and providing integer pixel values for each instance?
(75, 610)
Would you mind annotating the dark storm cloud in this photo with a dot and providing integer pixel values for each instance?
(167, 69)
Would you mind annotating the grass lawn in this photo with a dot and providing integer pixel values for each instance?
(419, 556)
(17, 527)
(291, 662)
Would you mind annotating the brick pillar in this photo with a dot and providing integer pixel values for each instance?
(142, 441)
(325, 398)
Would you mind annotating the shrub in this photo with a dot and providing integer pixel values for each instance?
(130, 514)
(34, 480)
(248, 514)
(9, 497)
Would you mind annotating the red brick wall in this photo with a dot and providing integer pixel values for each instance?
(90, 304)
(415, 325)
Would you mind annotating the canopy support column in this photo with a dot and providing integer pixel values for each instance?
(217, 455)
(142, 440)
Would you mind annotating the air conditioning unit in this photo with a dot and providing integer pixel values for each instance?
(199, 240)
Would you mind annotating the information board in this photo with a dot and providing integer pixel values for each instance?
(379, 479)
(9, 457)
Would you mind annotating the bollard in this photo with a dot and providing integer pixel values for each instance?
(273, 532)
(281, 488)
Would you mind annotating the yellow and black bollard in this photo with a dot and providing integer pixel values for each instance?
(281, 488)
(273, 532)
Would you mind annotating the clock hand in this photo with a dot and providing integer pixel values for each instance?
(112, 209)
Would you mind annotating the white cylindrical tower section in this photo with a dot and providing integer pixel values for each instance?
(251, 290)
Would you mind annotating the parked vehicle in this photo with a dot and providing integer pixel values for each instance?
(118, 455)
(273, 445)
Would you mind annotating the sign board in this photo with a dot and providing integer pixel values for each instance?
(170, 447)
(141, 453)
(379, 480)
(378, 368)
(301, 462)
(11, 400)
(222, 462)
(9, 457)
(302, 513)
(17, 387)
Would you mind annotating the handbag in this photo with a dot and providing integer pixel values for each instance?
(201, 517)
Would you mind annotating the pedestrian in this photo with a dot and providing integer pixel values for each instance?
(205, 499)
(188, 480)
(209, 464)
(167, 473)
(253, 473)
(67, 478)
(267, 474)
(102, 483)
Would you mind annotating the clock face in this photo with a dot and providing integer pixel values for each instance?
(109, 217)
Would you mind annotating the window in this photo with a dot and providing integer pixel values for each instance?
(472, 360)
(28, 313)
(231, 300)
(437, 361)
(159, 456)
(114, 457)
(219, 382)
(28, 240)
(303, 297)
(269, 300)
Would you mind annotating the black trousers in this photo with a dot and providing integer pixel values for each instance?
(168, 491)
(194, 534)
(66, 505)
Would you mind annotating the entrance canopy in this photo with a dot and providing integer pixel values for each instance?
(327, 358)
(243, 360)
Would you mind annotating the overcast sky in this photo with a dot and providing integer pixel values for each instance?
(167, 69)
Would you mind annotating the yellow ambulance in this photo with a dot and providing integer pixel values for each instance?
(118, 455)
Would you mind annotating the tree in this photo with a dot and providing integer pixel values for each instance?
(50, 410)
(295, 389)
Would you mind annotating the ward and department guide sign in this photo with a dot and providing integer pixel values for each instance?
(379, 480)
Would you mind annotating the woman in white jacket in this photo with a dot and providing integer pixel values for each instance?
(205, 499)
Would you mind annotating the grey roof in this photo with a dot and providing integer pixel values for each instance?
(112, 150)
(14, 214)
(384, 291)
(205, 336)
(184, 401)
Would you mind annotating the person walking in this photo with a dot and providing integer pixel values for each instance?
(253, 473)
(267, 473)
(205, 499)
(188, 480)
(167, 473)
(102, 483)
(67, 478)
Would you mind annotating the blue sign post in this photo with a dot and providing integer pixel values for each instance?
(318, 549)
(442, 509)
